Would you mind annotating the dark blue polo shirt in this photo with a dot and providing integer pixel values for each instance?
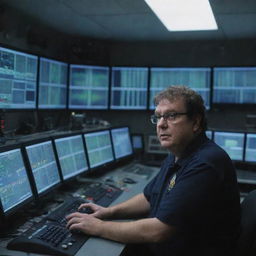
(201, 201)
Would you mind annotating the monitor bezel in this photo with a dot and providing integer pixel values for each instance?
(73, 177)
(54, 187)
(28, 200)
(103, 168)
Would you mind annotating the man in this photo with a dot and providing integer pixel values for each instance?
(192, 206)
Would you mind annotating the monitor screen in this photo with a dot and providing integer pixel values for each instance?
(234, 85)
(43, 165)
(232, 143)
(250, 150)
(137, 141)
(18, 73)
(99, 148)
(121, 142)
(129, 88)
(15, 188)
(89, 87)
(197, 79)
(52, 84)
(71, 155)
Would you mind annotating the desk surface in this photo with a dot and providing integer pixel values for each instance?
(246, 177)
(95, 246)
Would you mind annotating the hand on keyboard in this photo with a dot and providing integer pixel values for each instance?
(85, 223)
(95, 210)
(86, 210)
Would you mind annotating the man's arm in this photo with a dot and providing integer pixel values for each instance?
(140, 231)
(135, 207)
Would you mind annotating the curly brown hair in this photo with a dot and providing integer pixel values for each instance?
(193, 101)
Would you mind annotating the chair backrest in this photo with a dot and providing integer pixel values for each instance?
(248, 225)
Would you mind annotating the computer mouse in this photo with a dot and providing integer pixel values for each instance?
(129, 180)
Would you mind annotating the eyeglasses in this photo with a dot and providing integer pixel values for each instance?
(167, 117)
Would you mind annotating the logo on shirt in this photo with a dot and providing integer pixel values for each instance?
(171, 183)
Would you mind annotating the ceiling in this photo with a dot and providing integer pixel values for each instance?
(133, 20)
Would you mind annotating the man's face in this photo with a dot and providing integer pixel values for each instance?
(175, 134)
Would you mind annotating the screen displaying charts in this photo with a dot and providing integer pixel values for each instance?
(99, 148)
(89, 87)
(52, 84)
(232, 143)
(71, 155)
(43, 164)
(18, 73)
(14, 183)
(196, 78)
(129, 88)
(234, 85)
(122, 142)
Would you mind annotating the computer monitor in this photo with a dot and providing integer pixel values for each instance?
(15, 188)
(129, 87)
(137, 142)
(199, 79)
(18, 73)
(121, 142)
(99, 148)
(52, 84)
(42, 163)
(232, 143)
(250, 150)
(234, 85)
(71, 156)
(88, 87)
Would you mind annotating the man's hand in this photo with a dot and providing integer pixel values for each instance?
(86, 223)
(97, 211)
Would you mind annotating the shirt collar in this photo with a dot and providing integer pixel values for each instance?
(172, 165)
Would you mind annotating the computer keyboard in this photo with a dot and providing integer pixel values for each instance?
(101, 194)
(48, 238)
(60, 213)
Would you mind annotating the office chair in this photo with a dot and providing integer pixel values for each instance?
(247, 239)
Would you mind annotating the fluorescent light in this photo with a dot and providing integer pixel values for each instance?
(184, 15)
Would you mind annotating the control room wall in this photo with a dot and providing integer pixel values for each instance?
(21, 33)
